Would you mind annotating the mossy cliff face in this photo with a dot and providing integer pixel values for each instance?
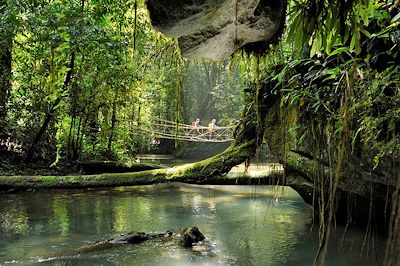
(215, 29)
(310, 159)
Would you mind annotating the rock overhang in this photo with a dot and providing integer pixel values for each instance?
(215, 29)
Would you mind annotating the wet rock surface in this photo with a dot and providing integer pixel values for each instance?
(191, 235)
(214, 29)
(188, 237)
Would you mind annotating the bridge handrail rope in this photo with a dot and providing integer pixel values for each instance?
(181, 137)
(161, 128)
(172, 124)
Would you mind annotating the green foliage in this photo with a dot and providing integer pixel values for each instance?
(125, 74)
(320, 27)
(317, 85)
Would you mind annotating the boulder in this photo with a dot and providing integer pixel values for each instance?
(191, 235)
(215, 29)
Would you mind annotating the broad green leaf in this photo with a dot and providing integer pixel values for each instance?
(366, 33)
(354, 41)
(316, 46)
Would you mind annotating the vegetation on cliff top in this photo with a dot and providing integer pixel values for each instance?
(78, 78)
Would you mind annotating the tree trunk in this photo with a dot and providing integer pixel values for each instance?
(113, 121)
(99, 167)
(135, 26)
(139, 114)
(70, 137)
(5, 84)
(5, 69)
(76, 147)
(178, 106)
(51, 112)
(81, 135)
(209, 170)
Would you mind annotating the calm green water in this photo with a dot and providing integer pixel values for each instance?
(244, 225)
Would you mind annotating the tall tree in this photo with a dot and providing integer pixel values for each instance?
(6, 40)
(49, 116)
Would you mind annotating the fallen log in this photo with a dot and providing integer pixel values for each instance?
(99, 167)
(198, 172)
(208, 170)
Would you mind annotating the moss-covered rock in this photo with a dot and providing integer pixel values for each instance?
(310, 165)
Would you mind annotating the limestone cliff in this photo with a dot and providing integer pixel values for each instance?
(215, 29)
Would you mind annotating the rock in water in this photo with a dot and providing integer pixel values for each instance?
(131, 238)
(215, 29)
(191, 235)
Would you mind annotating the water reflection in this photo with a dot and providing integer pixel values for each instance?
(244, 225)
(14, 219)
(60, 215)
(130, 213)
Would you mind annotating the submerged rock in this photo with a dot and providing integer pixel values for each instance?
(215, 29)
(191, 235)
(131, 238)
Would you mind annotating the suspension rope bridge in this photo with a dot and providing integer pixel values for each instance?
(165, 129)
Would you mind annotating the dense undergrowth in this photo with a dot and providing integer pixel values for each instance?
(343, 92)
(335, 73)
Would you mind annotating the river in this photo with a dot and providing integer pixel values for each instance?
(244, 225)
